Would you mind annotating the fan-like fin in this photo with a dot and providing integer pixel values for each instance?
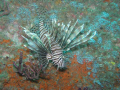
(66, 31)
(74, 34)
(34, 37)
(35, 44)
(84, 38)
(70, 36)
(57, 31)
(44, 62)
(71, 31)
(31, 44)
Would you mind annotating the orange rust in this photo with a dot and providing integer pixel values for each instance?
(16, 80)
(4, 41)
(70, 87)
(16, 58)
(0, 71)
(80, 70)
(107, 1)
(66, 80)
(28, 63)
(25, 51)
(8, 42)
(32, 89)
(44, 86)
(106, 67)
(117, 69)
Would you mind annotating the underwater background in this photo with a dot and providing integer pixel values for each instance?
(94, 65)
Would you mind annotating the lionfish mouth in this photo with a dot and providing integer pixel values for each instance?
(49, 56)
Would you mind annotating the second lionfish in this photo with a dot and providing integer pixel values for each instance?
(50, 44)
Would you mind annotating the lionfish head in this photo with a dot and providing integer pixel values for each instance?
(59, 61)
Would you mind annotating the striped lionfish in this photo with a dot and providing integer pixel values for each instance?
(50, 44)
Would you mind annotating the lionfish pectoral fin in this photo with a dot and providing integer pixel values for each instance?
(34, 37)
(31, 44)
(24, 28)
(33, 41)
(45, 63)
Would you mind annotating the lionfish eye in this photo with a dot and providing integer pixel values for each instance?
(60, 58)
(49, 56)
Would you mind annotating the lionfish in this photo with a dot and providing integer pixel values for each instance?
(50, 44)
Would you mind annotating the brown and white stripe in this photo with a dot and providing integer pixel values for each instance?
(43, 33)
(56, 50)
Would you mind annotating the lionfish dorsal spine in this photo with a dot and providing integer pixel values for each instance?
(66, 30)
(72, 36)
(83, 39)
(44, 35)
